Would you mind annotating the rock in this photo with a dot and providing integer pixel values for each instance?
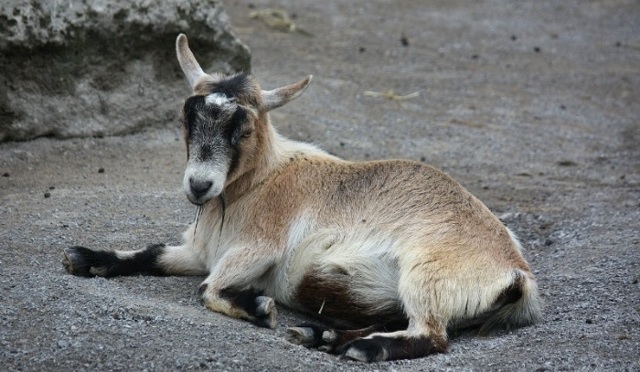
(104, 67)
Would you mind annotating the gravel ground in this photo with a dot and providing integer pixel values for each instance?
(533, 106)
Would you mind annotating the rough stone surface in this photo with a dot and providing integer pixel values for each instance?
(532, 105)
(94, 68)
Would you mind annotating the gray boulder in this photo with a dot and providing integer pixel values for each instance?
(106, 67)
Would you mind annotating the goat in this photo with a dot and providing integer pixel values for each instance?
(388, 254)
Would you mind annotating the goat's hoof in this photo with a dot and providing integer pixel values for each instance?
(365, 350)
(77, 261)
(265, 305)
(329, 341)
(266, 312)
(304, 336)
(329, 336)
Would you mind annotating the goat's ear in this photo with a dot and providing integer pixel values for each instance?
(187, 61)
(279, 96)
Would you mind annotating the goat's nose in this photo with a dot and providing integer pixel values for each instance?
(199, 188)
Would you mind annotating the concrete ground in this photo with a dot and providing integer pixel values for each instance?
(533, 106)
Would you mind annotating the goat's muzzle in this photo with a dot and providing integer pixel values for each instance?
(199, 188)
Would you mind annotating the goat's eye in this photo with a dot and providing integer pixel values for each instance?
(240, 136)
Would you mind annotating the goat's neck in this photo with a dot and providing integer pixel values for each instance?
(277, 150)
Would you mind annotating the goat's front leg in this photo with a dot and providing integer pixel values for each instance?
(231, 288)
(156, 259)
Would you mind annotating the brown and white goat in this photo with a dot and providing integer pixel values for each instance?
(388, 253)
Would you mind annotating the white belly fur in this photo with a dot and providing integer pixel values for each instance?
(365, 259)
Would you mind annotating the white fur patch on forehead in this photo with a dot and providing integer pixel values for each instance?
(218, 99)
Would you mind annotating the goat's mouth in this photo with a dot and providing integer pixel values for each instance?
(200, 196)
(199, 200)
(196, 202)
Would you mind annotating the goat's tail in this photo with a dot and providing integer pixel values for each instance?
(522, 305)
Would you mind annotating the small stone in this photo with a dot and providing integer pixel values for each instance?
(5, 174)
(100, 170)
(567, 163)
(589, 321)
(47, 194)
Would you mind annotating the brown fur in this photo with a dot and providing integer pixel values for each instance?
(331, 300)
(353, 243)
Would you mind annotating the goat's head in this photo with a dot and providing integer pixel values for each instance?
(225, 125)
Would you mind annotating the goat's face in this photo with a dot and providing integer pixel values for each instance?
(225, 125)
(221, 139)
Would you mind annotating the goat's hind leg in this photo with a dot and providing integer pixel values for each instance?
(425, 334)
(407, 344)
(156, 259)
(333, 340)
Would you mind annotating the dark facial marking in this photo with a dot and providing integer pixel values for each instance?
(233, 86)
(238, 126)
(195, 107)
(240, 86)
(191, 107)
(235, 132)
(232, 130)
(205, 152)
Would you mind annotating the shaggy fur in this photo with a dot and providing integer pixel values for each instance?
(357, 245)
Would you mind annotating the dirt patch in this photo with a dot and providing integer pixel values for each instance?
(546, 139)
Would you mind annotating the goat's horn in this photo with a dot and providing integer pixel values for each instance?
(278, 97)
(190, 66)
